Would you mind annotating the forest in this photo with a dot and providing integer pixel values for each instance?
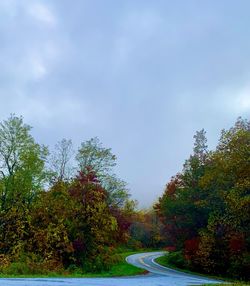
(62, 210)
(205, 208)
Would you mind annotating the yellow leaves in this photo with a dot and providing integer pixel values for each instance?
(113, 224)
(4, 262)
(204, 252)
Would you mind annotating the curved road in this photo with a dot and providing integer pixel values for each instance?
(173, 277)
(158, 276)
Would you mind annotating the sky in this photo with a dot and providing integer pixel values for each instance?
(141, 75)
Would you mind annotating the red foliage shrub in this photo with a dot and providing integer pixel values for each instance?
(237, 244)
(170, 248)
(190, 247)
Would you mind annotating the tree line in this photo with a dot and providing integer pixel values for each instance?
(205, 208)
(60, 209)
(65, 210)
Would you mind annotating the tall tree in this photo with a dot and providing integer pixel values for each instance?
(22, 160)
(93, 227)
(206, 208)
(92, 156)
(60, 160)
(180, 206)
(200, 145)
(117, 192)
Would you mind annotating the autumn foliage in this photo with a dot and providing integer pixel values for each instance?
(205, 208)
(50, 222)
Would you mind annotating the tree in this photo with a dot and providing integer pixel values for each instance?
(206, 208)
(93, 156)
(60, 160)
(22, 172)
(117, 192)
(180, 207)
(145, 229)
(50, 219)
(228, 182)
(200, 145)
(93, 227)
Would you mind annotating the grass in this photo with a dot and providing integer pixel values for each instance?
(162, 260)
(121, 268)
(228, 282)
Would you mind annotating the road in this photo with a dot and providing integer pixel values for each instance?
(158, 276)
(168, 275)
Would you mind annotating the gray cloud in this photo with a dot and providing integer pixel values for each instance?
(141, 75)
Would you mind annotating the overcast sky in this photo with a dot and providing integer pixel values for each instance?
(143, 76)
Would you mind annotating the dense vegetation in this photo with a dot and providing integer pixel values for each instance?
(59, 214)
(205, 208)
(66, 212)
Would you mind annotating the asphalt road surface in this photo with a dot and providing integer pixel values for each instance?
(158, 276)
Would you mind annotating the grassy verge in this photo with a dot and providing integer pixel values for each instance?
(121, 268)
(228, 282)
(164, 262)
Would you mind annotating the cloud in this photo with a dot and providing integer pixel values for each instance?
(233, 99)
(29, 51)
(38, 68)
(134, 30)
(42, 13)
(47, 112)
(141, 75)
(242, 99)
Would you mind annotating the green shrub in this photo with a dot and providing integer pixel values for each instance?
(17, 268)
(177, 259)
(134, 244)
(74, 269)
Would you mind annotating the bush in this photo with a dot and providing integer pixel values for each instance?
(30, 264)
(4, 262)
(134, 244)
(17, 268)
(74, 269)
(176, 259)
